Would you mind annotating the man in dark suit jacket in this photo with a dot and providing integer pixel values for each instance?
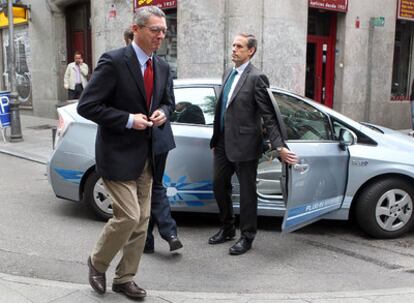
(163, 142)
(238, 142)
(160, 205)
(129, 94)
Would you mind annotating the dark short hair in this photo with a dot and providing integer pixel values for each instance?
(143, 13)
(251, 41)
(77, 53)
(128, 34)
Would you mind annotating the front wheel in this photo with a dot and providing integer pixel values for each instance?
(96, 197)
(385, 209)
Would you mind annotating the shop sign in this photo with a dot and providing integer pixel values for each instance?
(330, 5)
(406, 10)
(162, 4)
(20, 16)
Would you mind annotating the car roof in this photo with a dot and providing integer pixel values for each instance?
(197, 81)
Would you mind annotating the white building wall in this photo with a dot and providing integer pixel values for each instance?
(364, 65)
(201, 32)
(47, 36)
(205, 32)
(284, 43)
(107, 33)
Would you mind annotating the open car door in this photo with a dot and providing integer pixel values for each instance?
(315, 186)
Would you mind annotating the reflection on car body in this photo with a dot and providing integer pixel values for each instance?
(345, 168)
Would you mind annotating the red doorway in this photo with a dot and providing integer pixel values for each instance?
(320, 57)
(78, 31)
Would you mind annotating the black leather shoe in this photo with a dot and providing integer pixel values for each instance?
(223, 235)
(148, 249)
(130, 289)
(174, 243)
(242, 245)
(149, 246)
(96, 279)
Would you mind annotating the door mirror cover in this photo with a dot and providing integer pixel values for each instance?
(347, 138)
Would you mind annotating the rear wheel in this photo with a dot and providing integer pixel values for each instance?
(96, 197)
(385, 208)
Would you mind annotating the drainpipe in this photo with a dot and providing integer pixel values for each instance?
(16, 129)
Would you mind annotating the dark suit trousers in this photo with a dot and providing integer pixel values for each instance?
(160, 206)
(246, 173)
(75, 93)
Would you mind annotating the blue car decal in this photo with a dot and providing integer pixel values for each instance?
(192, 194)
(311, 211)
(73, 176)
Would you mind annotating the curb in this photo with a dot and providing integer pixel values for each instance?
(236, 297)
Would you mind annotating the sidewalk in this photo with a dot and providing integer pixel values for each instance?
(37, 146)
(37, 139)
(14, 289)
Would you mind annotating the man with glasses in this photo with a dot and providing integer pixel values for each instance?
(129, 95)
(160, 205)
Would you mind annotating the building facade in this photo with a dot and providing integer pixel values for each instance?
(354, 56)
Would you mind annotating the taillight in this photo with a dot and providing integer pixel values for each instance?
(64, 120)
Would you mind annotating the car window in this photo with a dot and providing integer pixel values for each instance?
(302, 121)
(194, 105)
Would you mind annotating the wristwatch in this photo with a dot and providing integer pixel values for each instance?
(279, 149)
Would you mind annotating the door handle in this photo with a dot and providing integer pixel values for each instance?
(301, 167)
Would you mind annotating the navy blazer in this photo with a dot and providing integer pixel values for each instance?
(116, 89)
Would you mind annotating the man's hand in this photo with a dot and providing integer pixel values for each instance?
(141, 122)
(288, 156)
(158, 117)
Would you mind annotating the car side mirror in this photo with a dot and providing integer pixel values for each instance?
(346, 138)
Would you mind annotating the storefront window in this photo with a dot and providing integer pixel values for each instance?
(168, 49)
(403, 74)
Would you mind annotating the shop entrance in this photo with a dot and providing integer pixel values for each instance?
(320, 56)
(79, 31)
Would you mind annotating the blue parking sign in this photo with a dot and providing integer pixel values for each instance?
(4, 109)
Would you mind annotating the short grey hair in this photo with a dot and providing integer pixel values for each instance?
(251, 41)
(143, 13)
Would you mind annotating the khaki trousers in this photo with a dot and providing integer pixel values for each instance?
(127, 229)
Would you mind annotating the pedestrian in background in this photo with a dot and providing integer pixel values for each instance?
(76, 76)
(237, 142)
(129, 94)
(160, 205)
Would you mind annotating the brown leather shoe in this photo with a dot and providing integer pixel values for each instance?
(96, 279)
(130, 289)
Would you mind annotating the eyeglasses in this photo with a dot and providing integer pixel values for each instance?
(156, 29)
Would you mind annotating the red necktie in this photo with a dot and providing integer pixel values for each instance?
(149, 82)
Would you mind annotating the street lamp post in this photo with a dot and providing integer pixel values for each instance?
(16, 130)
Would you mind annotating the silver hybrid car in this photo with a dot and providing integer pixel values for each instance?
(345, 168)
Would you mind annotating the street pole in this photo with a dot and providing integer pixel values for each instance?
(16, 130)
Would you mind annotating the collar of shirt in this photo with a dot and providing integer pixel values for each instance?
(141, 56)
(241, 68)
(240, 71)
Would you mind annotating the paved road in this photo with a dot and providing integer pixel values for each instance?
(43, 236)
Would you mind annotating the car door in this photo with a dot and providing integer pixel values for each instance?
(316, 185)
(188, 173)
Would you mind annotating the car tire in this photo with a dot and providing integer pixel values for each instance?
(96, 197)
(384, 209)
